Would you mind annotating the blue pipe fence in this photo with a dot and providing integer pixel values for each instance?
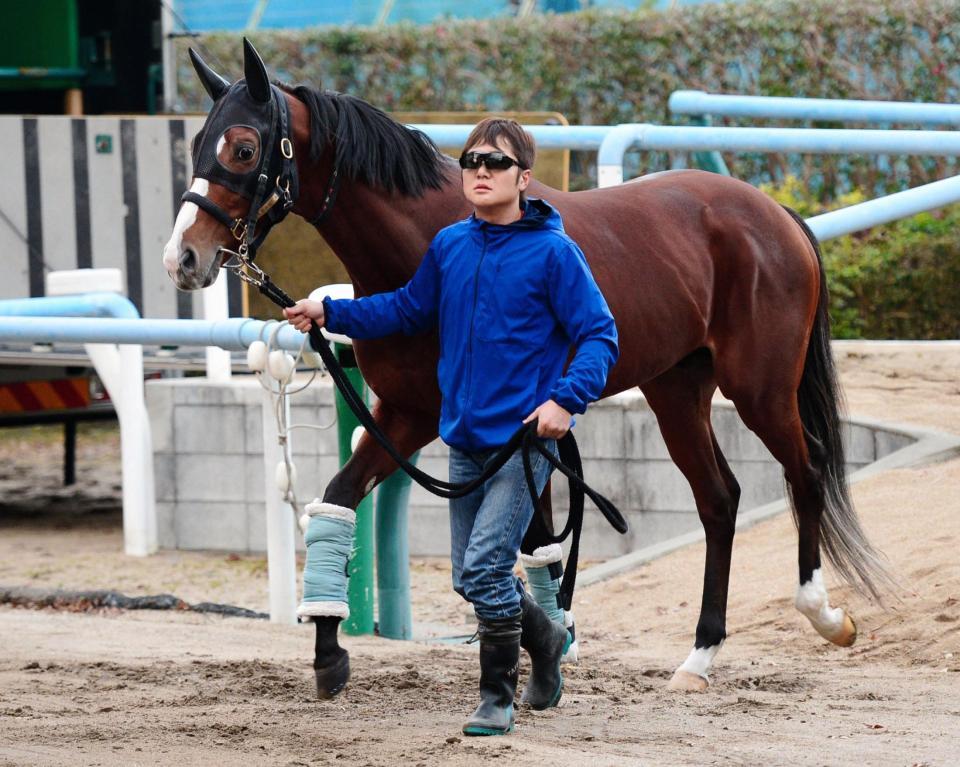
(234, 334)
(701, 104)
(673, 138)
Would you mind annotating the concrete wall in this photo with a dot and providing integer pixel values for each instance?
(210, 474)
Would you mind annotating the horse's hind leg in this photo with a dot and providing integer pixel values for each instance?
(680, 398)
(329, 537)
(776, 421)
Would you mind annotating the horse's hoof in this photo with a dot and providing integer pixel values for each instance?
(684, 681)
(848, 634)
(332, 679)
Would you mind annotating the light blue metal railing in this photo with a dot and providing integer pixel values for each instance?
(702, 104)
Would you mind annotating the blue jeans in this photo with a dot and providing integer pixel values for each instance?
(487, 527)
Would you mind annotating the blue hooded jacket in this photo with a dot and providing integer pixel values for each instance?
(510, 301)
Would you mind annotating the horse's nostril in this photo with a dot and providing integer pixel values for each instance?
(188, 260)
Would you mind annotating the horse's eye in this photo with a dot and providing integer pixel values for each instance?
(245, 153)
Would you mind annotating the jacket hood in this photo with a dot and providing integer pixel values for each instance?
(537, 214)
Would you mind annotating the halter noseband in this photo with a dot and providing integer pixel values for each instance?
(264, 198)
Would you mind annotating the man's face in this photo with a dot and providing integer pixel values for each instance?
(486, 188)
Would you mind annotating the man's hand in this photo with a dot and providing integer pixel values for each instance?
(553, 422)
(302, 312)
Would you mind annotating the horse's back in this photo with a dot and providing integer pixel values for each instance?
(690, 259)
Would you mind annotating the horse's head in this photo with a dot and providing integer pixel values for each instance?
(244, 175)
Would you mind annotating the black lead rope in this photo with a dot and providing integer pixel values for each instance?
(525, 437)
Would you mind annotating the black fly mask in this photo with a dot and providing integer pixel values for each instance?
(272, 186)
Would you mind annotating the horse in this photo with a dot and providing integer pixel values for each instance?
(712, 284)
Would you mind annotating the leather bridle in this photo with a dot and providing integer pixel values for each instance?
(269, 203)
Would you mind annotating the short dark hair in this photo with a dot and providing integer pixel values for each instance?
(490, 129)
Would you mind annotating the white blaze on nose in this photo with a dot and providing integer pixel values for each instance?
(185, 219)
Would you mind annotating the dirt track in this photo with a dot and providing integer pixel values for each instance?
(116, 688)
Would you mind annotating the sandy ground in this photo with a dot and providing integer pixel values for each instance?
(111, 687)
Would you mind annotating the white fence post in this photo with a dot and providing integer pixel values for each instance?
(216, 307)
(281, 544)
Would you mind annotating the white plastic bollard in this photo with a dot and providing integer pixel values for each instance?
(281, 550)
(216, 307)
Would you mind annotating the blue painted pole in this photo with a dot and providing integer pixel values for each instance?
(713, 160)
(82, 305)
(783, 140)
(395, 620)
(885, 209)
(836, 110)
(235, 334)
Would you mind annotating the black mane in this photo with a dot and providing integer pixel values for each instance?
(371, 147)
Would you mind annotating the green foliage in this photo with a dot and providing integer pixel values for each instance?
(607, 67)
(894, 281)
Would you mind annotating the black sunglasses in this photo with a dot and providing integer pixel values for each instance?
(492, 161)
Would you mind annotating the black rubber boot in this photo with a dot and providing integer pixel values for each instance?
(546, 641)
(499, 665)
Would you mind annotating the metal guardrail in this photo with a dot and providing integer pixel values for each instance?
(236, 333)
(701, 104)
(800, 140)
(883, 210)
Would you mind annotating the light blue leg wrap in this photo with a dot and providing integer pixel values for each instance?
(329, 539)
(544, 573)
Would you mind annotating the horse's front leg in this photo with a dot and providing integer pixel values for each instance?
(329, 536)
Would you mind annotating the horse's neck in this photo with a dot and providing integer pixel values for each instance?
(380, 238)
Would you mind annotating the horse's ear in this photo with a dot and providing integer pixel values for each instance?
(255, 73)
(214, 85)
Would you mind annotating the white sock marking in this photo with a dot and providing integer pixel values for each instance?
(700, 660)
(812, 601)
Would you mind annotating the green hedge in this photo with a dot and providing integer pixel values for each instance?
(898, 281)
(895, 281)
(604, 67)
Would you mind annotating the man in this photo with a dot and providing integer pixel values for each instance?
(511, 293)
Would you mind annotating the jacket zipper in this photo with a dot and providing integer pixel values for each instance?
(473, 314)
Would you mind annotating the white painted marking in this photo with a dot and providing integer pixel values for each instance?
(154, 189)
(812, 600)
(700, 660)
(185, 219)
(13, 203)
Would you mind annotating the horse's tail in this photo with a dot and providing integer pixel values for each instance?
(821, 404)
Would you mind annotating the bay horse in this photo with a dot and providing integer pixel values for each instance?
(711, 283)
